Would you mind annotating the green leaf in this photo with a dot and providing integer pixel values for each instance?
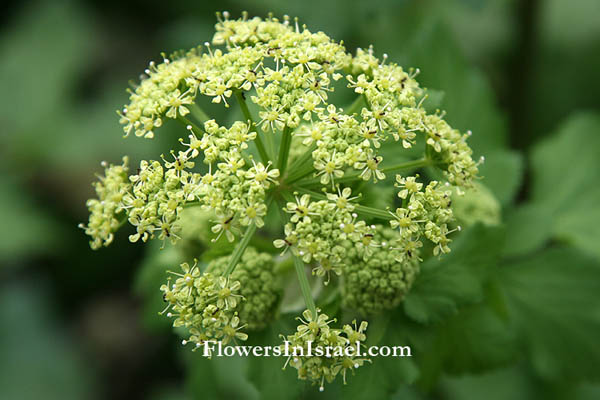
(266, 373)
(566, 170)
(41, 55)
(553, 302)
(473, 340)
(151, 274)
(456, 278)
(27, 230)
(567, 56)
(468, 98)
(39, 359)
(476, 339)
(528, 227)
(379, 379)
(502, 173)
(511, 383)
(218, 378)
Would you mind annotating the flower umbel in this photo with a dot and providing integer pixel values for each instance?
(296, 155)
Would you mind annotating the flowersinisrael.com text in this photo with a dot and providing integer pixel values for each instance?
(216, 348)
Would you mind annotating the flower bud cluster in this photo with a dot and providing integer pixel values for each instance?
(110, 189)
(376, 282)
(158, 192)
(156, 199)
(259, 286)
(316, 330)
(317, 229)
(234, 190)
(476, 204)
(391, 109)
(425, 213)
(159, 94)
(205, 304)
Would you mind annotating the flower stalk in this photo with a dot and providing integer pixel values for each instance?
(304, 285)
(284, 150)
(238, 252)
(258, 140)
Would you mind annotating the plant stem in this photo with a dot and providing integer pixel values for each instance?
(284, 150)
(187, 122)
(304, 285)
(362, 210)
(301, 167)
(240, 248)
(299, 266)
(259, 143)
(270, 145)
(356, 105)
(198, 113)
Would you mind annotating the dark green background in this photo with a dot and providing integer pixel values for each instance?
(522, 75)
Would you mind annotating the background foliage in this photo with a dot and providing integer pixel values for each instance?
(513, 312)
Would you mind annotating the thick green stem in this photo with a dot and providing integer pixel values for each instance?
(270, 145)
(303, 165)
(362, 210)
(284, 150)
(186, 122)
(304, 285)
(259, 143)
(198, 113)
(356, 105)
(240, 248)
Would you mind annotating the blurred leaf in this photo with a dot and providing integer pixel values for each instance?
(566, 58)
(405, 392)
(553, 301)
(511, 383)
(48, 124)
(218, 378)
(150, 276)
(587, 392)
(474, 340)
(468, 100)
(528, 227)
(41, 56)
(39, 359)
(168, 393)
(26, 230)
(566, 170)
(502, 173)
(266, 372)
(379, 379)
(456, 278)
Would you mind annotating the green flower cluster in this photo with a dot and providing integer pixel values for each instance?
(314, 331)
(233, 175)
(426, 213)
(205, 304)
(159, 95)
(376, 282)
(156, 199)
(110, 189)
(476, 204)
(260, 287)
(317, 228)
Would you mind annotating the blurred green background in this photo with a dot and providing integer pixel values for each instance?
(522, 75)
